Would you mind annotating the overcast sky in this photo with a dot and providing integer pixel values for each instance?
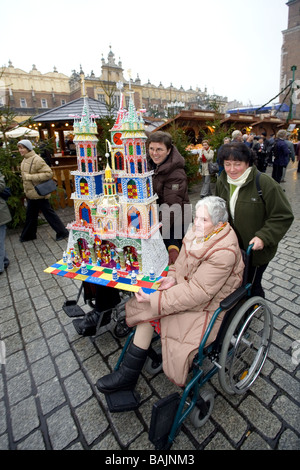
(232, 47)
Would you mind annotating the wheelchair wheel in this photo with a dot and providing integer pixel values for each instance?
(245, 346)
(203, 409)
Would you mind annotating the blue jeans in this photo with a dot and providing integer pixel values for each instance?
(4, 261)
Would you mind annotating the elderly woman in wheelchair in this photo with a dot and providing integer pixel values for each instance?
(208, 269)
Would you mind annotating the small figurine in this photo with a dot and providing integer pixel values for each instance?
(69, 263)
(133, 278)
(83, 268)
(65, 258)
(152, 276)
(115, 275)
(118, 264)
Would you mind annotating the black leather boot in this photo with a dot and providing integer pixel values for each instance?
(126, 377)
(88, 325)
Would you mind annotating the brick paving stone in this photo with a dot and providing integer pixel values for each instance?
(24, 417)
(92, 420)
(255, 442)
(51, 395)
(289, 441)
(62, 428)
(288, 410)
(77, 388)
(260, 417)
(48, 398)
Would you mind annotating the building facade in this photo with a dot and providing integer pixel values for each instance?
(32, 93)
(290, 59)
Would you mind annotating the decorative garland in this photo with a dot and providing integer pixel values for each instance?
(211, 234)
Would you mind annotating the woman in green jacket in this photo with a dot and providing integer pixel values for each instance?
(5, 217)
(258, 219)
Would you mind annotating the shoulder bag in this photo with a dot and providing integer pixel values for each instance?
(213, 168)
(46, 187)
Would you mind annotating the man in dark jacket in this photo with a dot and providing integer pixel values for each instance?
(171, 185)
(281, 155)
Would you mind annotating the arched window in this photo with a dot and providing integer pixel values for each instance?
(81, 150)
(138, 149)
(90, 166)
(140, 166)
(84, 187)
(132, 190)
(89, 150)
(119, 161)
(134, 220)
(85, 213)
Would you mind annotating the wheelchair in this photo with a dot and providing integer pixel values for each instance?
(237, 355)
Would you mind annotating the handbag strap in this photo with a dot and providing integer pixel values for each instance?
(31, 164)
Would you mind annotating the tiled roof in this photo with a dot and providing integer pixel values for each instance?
(68, 110)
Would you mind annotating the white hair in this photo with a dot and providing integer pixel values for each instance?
(236, 134)
(216, 207)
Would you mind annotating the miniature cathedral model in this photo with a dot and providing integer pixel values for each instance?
(116, 216)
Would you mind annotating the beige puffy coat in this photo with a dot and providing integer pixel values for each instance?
(34, 170)
(208, 157)
(205, 275)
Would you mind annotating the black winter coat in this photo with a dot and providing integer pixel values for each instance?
(171, 185)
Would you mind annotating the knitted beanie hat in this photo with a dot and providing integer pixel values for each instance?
(26, 143)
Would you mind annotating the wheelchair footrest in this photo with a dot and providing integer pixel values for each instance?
(71, 308)
(163, 414)
(125, 400)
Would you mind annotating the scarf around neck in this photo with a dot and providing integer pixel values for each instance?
(234, 187)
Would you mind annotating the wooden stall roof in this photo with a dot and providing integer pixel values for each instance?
(188, 116)
(244, 118)
(270, 120)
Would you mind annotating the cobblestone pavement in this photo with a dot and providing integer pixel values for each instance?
(48, 398)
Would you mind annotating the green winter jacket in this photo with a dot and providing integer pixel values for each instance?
(5, 216)
(268, 218)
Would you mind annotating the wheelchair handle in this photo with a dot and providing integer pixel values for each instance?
(248, 251)
(247, 264)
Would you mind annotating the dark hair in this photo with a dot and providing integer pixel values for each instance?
(161, 137)
(235, 151)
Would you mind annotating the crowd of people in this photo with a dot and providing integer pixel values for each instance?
(276, 151)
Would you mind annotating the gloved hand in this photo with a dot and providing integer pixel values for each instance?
(173, 254)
